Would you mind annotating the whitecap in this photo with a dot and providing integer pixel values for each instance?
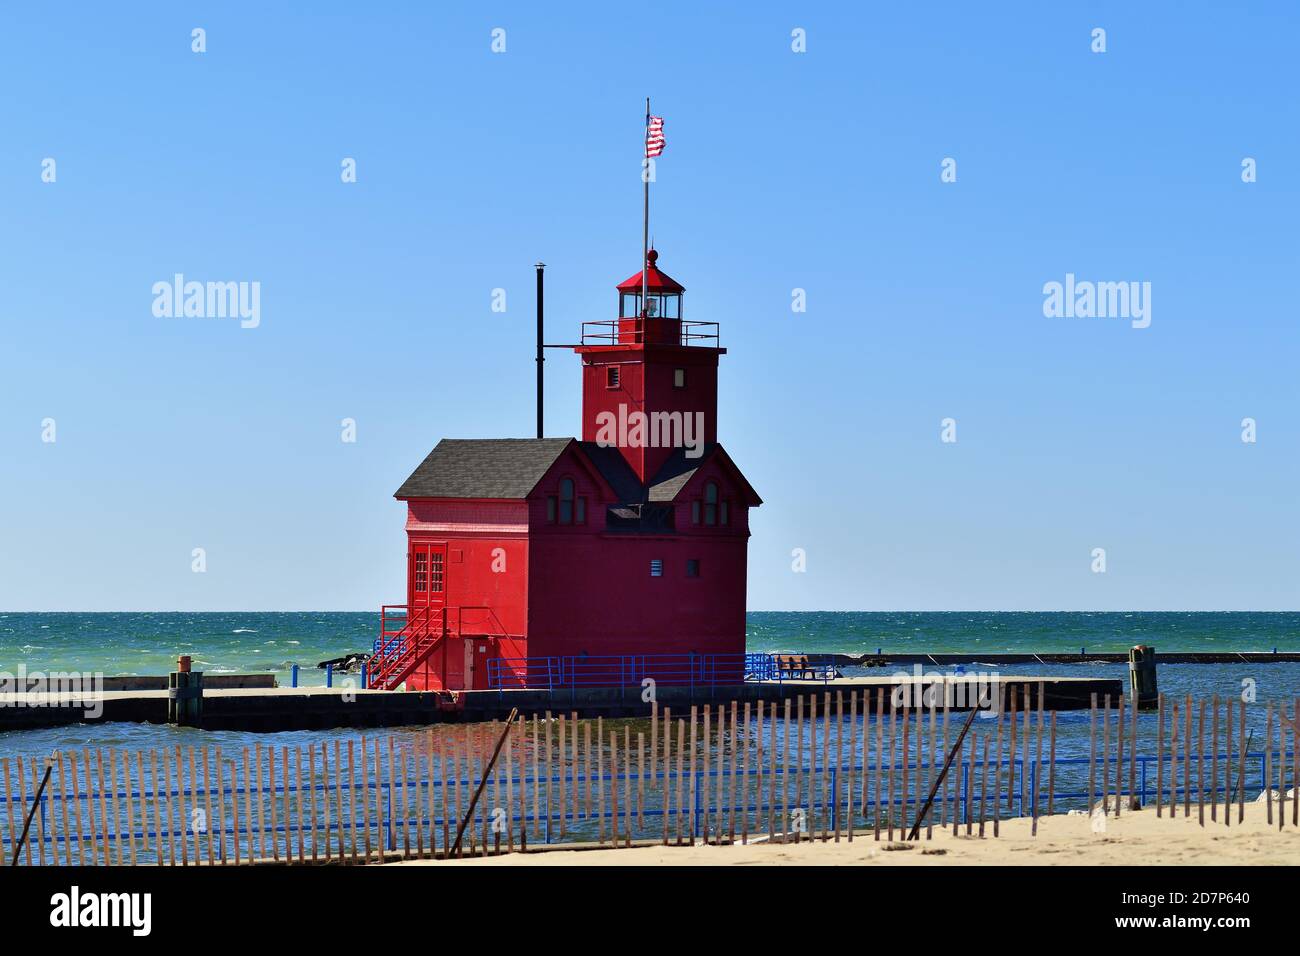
(243, 630)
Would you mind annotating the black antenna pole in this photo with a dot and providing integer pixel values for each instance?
(540, 355)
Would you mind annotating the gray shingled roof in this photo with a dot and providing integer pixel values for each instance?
(676, 472)
(613, 467)
(483, 468)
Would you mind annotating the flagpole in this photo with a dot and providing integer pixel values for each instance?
(645, 213)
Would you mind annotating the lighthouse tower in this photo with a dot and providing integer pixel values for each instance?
(650, 365)
(595, 561)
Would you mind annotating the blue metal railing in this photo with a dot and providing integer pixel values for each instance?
(667, 670)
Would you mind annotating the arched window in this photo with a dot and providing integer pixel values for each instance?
(566, 501)
(710, 504)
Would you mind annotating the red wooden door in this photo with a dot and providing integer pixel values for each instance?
(428, 584)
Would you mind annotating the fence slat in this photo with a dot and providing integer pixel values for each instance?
(1200, 764)
(627, 786)
(1187, 759)
(826, 762)
(182, 824)
(1038, 756)
(1241, 770)
(1214, 760)
(1268, 761)
(1013, 753)
(1173, 760)
(194, 800)
(704, 774)
(893, 763)
(160, 838)
(40, 818)
(1051, 772)
(879, 762)
(207, 806)
(1119, 757)
(984, 784)
(63, 806)
(1105, 756)
(1135, 802)
(286, 808)
(1227, 763)
(144, 817)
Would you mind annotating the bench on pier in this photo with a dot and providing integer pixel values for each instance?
(796, 667)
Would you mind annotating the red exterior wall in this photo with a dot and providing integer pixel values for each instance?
(646, 385)
(485, 586)
(590, 591)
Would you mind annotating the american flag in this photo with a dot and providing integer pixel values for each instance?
(654, 136)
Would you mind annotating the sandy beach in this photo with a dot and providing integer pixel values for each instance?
(1139, 838)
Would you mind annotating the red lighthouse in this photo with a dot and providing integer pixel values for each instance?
(625, 551)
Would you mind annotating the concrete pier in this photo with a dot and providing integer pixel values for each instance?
(272, 709)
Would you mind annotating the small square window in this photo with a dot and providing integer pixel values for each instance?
(656, 568)
(611, 376)
(692, 567)
(679, 378)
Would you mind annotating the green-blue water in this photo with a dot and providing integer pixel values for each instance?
(231, 642)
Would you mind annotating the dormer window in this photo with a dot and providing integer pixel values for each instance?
(566, 501)
(712, 510)
(567, 507)
(710, 504)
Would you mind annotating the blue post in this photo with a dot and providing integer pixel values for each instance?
(329, 675)
(1083, 652)
(363, 676)
(293, 675)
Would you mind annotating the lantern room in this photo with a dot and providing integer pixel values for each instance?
(659, 318)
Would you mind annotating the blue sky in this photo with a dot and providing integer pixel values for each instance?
(783, 170)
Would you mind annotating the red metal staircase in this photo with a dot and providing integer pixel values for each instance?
(398, 653)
